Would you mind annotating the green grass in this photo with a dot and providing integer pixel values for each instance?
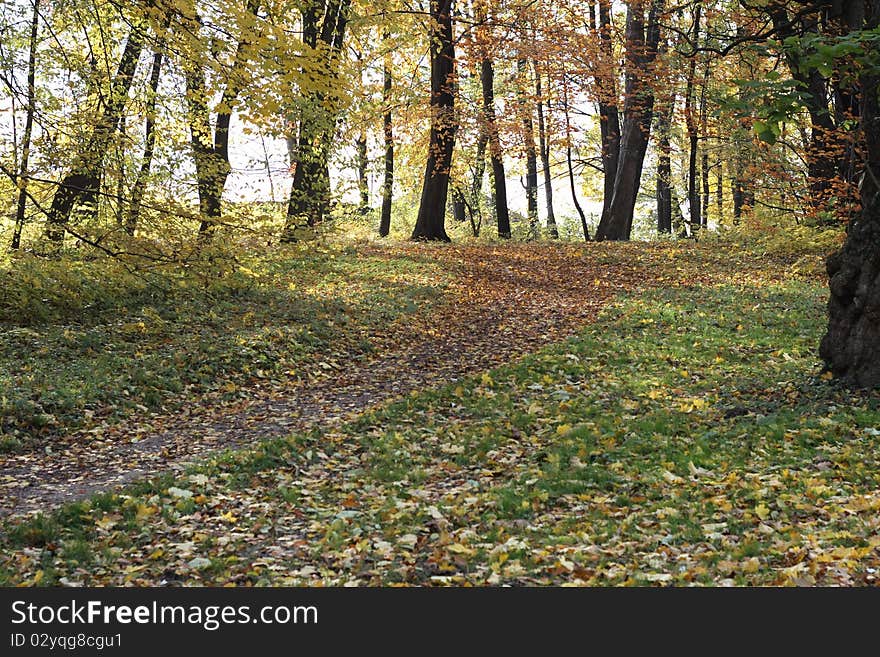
(86, 343)
(687, 437)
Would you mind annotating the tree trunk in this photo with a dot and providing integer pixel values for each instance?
(388, 132)
(137, 192)
(458, 205)
(211, 148)
(642, 40)
(82, 183)
(477, 182)
(609, 118)
(23, 171)
(499, 180)
(525, 108)
(851, 346)
(323, 30)
(431, 219)
(704, 149)
(664, 168)
(363, 182)
(568, 159)
(544, 147)
(693, 136)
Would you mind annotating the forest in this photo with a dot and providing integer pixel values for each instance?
(439, 292)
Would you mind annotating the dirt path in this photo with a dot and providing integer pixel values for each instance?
(505, 302)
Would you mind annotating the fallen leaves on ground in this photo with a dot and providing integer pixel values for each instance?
(683, 438)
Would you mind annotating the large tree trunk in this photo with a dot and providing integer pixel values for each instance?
(851, 346)
(544, 147)
(609, 119)
(83, 182)
(388, 132)
(324, 24)
(499, 180)
(642, 40)
(431, 219)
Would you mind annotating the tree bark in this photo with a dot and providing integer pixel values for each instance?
(609, 118)
(137, 192)
(363, 183)
(499, 180)
(324, 23)
(388, 133)
(851, 345)
(704, 148)
(664, 168)
(528, 128)
(458, 205)
(431, 219)
(693, 137)
(544, 148)
(23, 171)
(642, 39)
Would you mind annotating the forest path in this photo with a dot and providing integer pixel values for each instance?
(505, 301)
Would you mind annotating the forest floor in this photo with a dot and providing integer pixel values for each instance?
(525, 414)
(485, 306)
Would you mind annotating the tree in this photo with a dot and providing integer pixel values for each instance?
(851, 345)
(528, 129)
(499, 177)
(691, 123)
(609, 119)
(82, 183)
(544, 147)
(388, 136)
(642, 40)
(323, 27)
(431, 219)
(210, 144)
(134, 207)
(664, 166)
(23, 171)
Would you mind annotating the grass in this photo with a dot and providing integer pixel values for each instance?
(686, 438)
(84, 344)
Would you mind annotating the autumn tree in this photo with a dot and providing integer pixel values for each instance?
(642, 41)
(81, 184)
(30, 102)
(851, 346)
(431, 218)
(324, 24)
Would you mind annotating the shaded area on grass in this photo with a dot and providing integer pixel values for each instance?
(155, 342)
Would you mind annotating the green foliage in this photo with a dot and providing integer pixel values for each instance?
(769, 102)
